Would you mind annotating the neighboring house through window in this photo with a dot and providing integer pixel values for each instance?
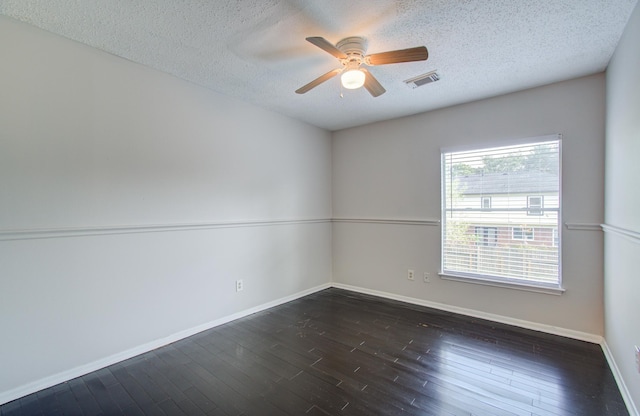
(512, 236)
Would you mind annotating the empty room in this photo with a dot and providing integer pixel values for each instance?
(319, 208)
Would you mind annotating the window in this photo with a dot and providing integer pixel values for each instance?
(535, 205)
(518, 187)
(520, 233)
(487, 236)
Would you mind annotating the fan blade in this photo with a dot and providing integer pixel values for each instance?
(419, 53)
(318, 81)
(327, 46)
(371, 84)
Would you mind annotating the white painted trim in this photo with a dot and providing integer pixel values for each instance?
(554, 330)
(631, 235)
(583, 226)
(30, 234)
(516, 285)
(503, 142)
(624, 391)
(387, 221)
(34, 386)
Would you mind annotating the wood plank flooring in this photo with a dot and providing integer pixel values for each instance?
(340, 353)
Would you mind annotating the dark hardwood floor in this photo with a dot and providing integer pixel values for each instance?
(341, 353)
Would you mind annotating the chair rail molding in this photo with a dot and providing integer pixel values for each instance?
(631, 235)
(583, 226)
(33, 234)
(393, 221)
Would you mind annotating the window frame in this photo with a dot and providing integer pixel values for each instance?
(535, 210)
(482, 201)
(523, 233)
(488, 239)
(510, 283)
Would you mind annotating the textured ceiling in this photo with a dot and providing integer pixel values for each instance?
(255, 50)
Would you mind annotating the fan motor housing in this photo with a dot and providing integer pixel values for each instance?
(353, 45)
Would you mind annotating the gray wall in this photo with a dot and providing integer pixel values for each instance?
(622, 202)
(132, 178)
(130, 202)
(391, 171)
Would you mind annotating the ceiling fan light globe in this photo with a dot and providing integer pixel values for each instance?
(352, 79)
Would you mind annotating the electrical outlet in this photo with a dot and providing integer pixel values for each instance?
(239, 285)
(427, 277)
(410, 274)
(638, 358)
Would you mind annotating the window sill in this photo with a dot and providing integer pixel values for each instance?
(549, 290)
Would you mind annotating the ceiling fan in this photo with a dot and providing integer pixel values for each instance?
(351, 54)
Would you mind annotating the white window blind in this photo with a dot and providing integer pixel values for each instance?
(500, 213)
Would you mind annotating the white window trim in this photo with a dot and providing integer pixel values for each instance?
(539, 208)
(506, 283)
(513, 234)
(490, 242)
(552, 289)
(501, 143)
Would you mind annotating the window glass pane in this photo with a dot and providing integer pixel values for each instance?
(500, 215)
(520, 233)
(486, 236)
(535, 204)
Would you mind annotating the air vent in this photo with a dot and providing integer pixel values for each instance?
(423, 79)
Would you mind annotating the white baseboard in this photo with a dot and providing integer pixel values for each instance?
(550, 329)
(624, 391)
(34, 386)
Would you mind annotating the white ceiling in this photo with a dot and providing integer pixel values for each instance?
(255, 50)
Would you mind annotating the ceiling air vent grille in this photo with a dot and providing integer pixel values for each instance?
(423, 79)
